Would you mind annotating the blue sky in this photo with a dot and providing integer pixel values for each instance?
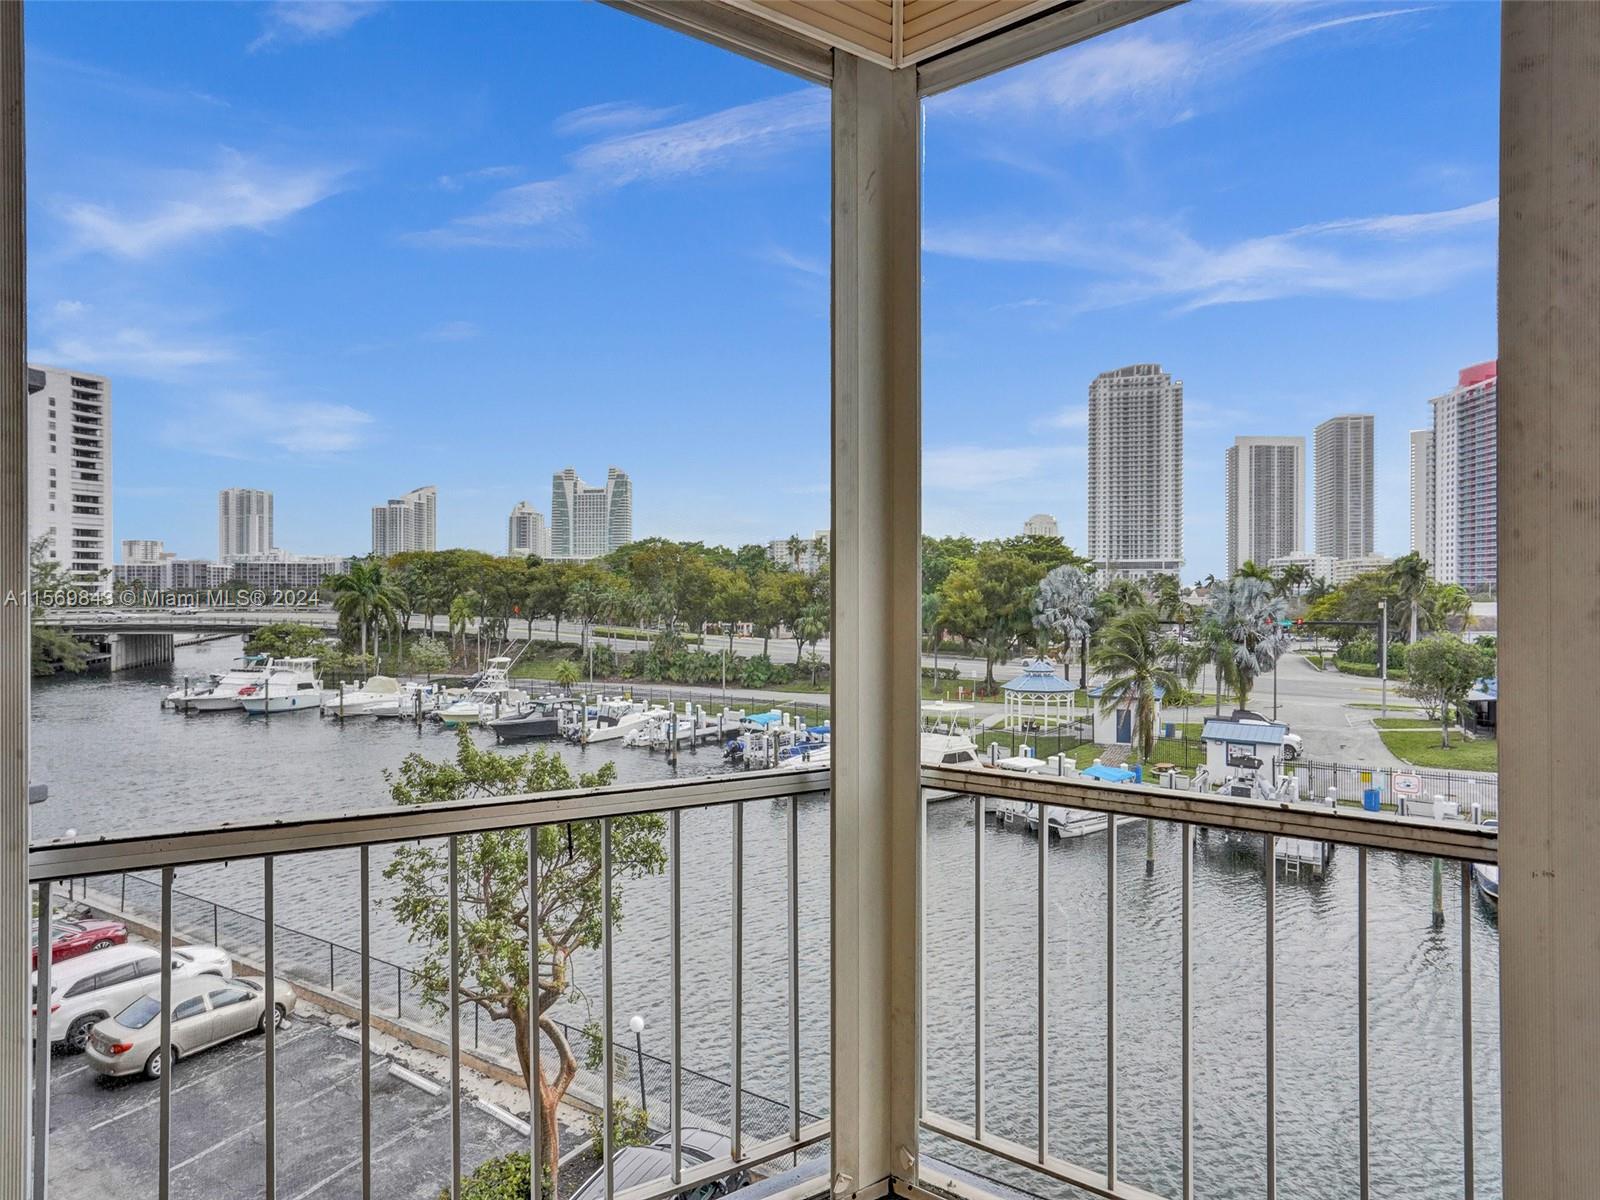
(340, 251)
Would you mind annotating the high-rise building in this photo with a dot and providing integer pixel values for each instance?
(244, 523)
(1041, 525)
(1266, 499)
(69, 471)
(1465, 446)
(805, 554)
(406, 523)
(1423, 485)
(144, 551)
(1343, 449)
(1136, 472)
(588, 522)
(525, 532)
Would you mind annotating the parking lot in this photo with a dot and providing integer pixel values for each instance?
(103, 1133)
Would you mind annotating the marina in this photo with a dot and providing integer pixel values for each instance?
(228, 766)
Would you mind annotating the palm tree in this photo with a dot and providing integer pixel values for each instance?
(1294, 577)
(1250, 617)
(366, 597)
(1133, 656)
(462, 605)
(1409, 575)
(1064, 607)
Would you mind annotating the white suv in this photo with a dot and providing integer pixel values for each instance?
(92, 986)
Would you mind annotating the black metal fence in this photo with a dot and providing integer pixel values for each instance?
(643, 1080)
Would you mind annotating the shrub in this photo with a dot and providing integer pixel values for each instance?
(629, 1127)
(504, 1178)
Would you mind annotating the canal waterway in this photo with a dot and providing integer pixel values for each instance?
(117, 762)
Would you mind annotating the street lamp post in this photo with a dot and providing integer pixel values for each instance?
(636, 1023)
(1383, 651)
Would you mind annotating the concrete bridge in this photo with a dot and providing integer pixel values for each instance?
(128, 638)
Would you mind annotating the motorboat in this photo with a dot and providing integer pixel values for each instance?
(289, 685)
(1487, 875)
(949, 750)
(613, 720)
(363, 700)
(222, 691)
(533, 723)
(413, 699)
(491, 695)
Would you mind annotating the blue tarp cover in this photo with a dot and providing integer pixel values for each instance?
(1110, 774)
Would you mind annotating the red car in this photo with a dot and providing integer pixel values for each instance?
(68, 939)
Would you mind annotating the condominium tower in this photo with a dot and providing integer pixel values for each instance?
(1423, 485)
(526, 533)
(1041, 525)
(1136, 472)
(588, 522)
(69, 471)
(407, 523)
(1266, 499)
(1343, 449)
(1465, 447)
(244, 523)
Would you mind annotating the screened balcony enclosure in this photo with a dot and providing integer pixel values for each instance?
(882, 976)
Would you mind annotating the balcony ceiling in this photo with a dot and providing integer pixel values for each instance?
(895, 32)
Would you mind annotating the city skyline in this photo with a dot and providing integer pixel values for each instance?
(1081, 211)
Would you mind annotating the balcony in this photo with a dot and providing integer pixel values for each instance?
(1026, 1079)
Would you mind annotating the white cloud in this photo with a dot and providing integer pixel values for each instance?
(239, 193)
(250, 425)
(1391, 256)
(781, 257)
(1074, 416)
(541, 211)
(461, 179)
(1153, 74)
(608, 117)
(69, 309)
(310, 20)
(979, 468)
(452, 331)
(129, 350)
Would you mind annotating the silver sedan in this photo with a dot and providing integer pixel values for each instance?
(205, 1011)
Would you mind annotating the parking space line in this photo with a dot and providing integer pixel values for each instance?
(282, 1108)
(409, 1131)
(65, 1075)
(196, 1082)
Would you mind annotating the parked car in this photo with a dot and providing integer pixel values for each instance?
(1292, 745)
(92, 986)
(633, 1165)
(206, 1011)
(68, 939)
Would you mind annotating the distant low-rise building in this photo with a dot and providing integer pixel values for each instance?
(1346, 569)
(283, 571)
(1318, 566)
(1041, 525)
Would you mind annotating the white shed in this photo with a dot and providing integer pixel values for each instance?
(1236, 748)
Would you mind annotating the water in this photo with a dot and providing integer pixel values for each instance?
(117, 762)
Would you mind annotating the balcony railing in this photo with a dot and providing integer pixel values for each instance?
(1014, 1118)
(97, 863)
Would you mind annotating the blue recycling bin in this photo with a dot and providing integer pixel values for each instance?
(1372, 799)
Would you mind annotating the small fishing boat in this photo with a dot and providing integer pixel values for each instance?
(490, 697)
(362, 700)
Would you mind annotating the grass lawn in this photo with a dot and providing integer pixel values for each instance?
(1416, 722)
(1423, 750)
(1394, 706)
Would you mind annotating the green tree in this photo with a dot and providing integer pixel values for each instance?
(1409, 576)
(987, 599)
(52, 649)
(287, 639)
(366, 598)
(567, 673)
(1440, 671)
(1133, 656)
(1064, 609)
(1249, 616)
(428, 655)
(494, 905)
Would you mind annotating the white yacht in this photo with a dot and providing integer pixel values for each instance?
(406, 703)
(289, 685)
(223, 691)
(490, 696)
(362, 700)
(611, 721)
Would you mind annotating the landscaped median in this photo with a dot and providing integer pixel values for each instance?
(1419, 745)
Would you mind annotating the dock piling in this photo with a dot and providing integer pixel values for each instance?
(1438, 894)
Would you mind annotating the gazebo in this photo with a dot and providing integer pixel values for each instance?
(1038, 700)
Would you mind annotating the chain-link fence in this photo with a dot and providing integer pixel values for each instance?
(642, 1080)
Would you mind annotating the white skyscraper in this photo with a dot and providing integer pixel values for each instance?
(144, 551)
(69, 470)
(1423, 486)
(588, 522)
(526, 533)
(1266, 499)
(244, 523)
(1343, 448)
(1465, 448)
(1041, 525)
(407, 523)
(1136, 471)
